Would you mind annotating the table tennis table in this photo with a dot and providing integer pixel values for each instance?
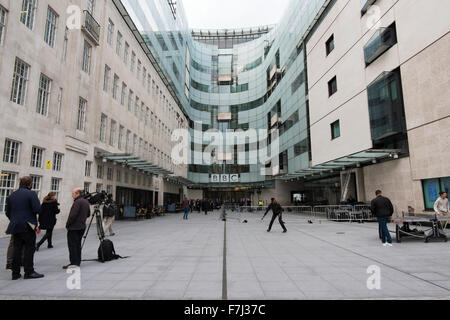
(434, 233)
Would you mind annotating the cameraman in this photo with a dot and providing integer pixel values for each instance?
(109, 213)
(76, 225)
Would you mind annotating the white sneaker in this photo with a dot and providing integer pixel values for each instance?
(384, 244)
(389, 245)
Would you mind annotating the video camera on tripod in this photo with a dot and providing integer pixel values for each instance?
(96, 198)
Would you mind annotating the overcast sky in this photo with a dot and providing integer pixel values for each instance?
(230, 14)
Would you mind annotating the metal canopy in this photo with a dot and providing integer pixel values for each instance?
(354, 160)
(180, 180)
(134, 162)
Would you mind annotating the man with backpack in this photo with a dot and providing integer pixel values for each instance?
(109, 213)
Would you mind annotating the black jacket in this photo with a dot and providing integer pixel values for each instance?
(22, 207)
(276, 208)
(206, 206)
(79, 212)
(109, 209)
(381, 207)
(47, 215)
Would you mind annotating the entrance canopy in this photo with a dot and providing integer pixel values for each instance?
(180, 180)
(133, 162)
(347, 162)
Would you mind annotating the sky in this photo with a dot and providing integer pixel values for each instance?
(233, 14)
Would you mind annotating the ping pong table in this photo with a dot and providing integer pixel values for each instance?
(434, 233)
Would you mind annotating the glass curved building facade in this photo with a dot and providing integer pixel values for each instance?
(249, 83)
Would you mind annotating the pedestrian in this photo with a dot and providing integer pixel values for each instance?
(22, 208)
(109, 214)
(76, 225)
(10, 253)
(277, 212)
(47, 219)
(441, 207)
(382, 208)
(206, 206)
(186, 208)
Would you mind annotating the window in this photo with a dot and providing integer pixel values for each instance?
(119, 43)
(432, 188)
(36, 184)
(136, 106)
(27, 13)
(109, 174)
(139, 67)
(106, 78)
(329, 45)
(99, 171)
(7, 186)
(335, 130)
(144, 76)
(20, 81)
(99, 187)
(43, 95)
(121, 133)
(112, 135)
(91, 6)
(133, 61)
(11, 152)
(123, 96)
(87, 187)
(382, 40)
(115, 87)
(109, 189)
(118, 175)
(81, 118)
(103, 120)
(149, 80)
(130, 100)
(50, 27)
(87, 169)
(87, 52)
(58, 111)
(66, 42)
(36, 157)
(57, 161)
(110, 32)
(126, 53)
(134, 144)
(56, 186)
(332, 86)
(2, 23)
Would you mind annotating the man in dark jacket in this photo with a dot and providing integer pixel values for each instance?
(277, 212)
(76, 225)
(22, 208)
(382, 208)
(206, 206)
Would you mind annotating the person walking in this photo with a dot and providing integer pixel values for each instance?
(186, 208)
(206, 206)
(109, 214)
(441, 207)
(277, 212)
(22, 207)
(382, 208)
(47, 218)
(76, 225)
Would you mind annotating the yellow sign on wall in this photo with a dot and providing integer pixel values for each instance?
(49, 164)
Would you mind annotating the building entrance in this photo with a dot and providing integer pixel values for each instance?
(230, 196)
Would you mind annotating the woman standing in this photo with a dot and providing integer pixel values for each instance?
(47, 218)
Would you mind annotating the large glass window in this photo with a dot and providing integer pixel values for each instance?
(103, 120)
(81, 117)
(20, 81)
(110, 32)
(36, 157)
(381, 41)
(7, 186)
(432, 188)
(28, 12)
(11, 151)
(57, 161)
(43, 95)
(36, 182)
(50, 27)
(87, 51)
(106, 78)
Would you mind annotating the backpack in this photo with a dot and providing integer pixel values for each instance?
(106, 251)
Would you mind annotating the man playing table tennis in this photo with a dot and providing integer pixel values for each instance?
(441, 207)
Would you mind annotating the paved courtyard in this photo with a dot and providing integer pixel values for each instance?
(204, 258)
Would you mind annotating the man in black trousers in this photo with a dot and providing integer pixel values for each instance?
(383, 209)
(76, 225)
(22, 207)
(277, 212)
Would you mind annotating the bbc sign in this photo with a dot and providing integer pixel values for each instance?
(224, 178)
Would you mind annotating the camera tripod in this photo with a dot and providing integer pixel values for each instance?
(100, 232)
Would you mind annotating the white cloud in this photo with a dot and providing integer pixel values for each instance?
(231, 14)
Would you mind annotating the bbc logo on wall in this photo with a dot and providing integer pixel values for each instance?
(224, 178)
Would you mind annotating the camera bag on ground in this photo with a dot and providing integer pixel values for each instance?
(106, 251)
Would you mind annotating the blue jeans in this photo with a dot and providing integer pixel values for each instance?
(385, 235)
(186, 212)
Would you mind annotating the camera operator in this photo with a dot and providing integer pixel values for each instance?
(109, 213)
(76, 225)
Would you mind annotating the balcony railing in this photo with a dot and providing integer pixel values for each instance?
(91, 27)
